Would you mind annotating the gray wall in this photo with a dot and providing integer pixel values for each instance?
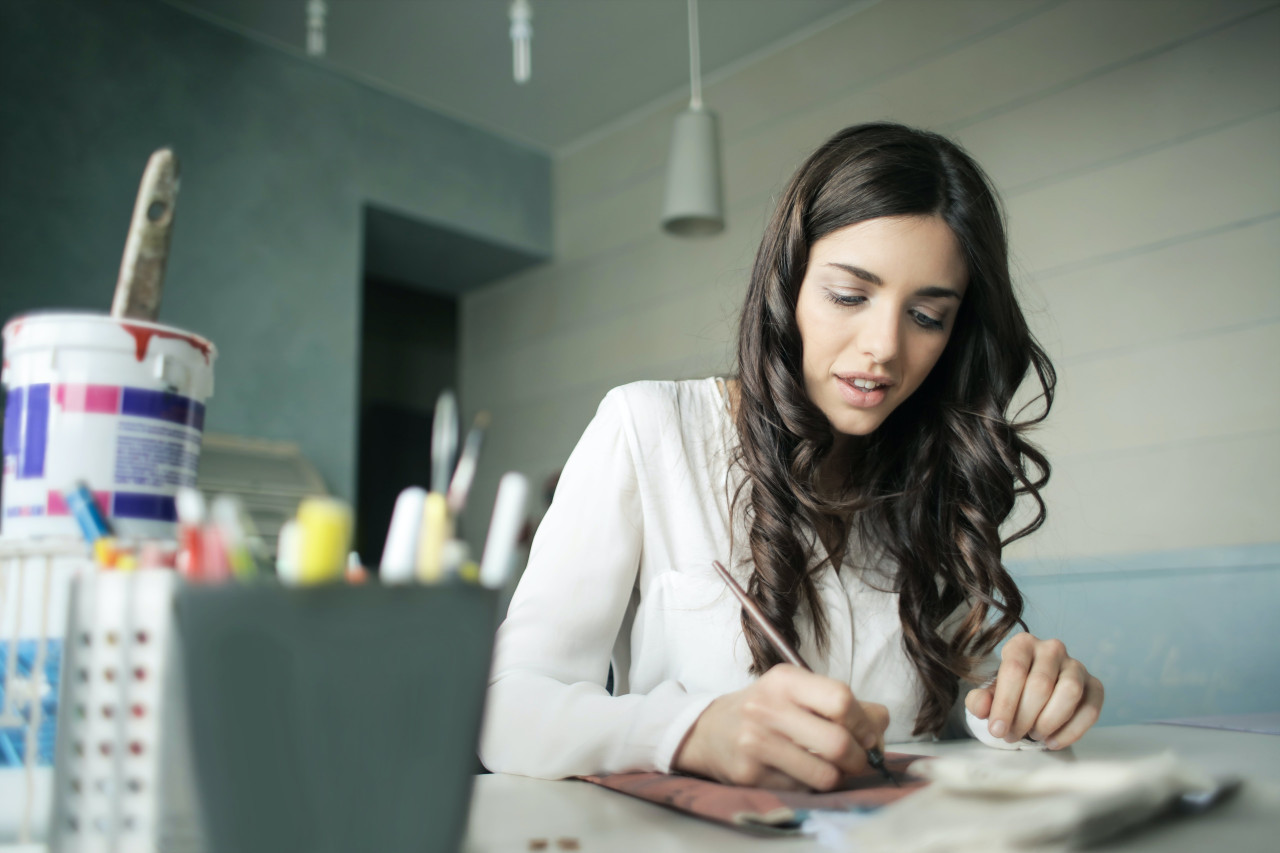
(278, 156)
(1137, 145)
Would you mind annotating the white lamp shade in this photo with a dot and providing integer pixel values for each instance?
(694, 205)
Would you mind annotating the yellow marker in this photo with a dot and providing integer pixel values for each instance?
(437, 529)
(105, 552)
(324, 540)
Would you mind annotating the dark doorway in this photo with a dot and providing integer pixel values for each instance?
(414, 274)
(409, 354)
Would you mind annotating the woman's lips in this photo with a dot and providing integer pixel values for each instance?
(858, 398)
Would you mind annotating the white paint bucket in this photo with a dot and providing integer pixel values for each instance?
(117, 404)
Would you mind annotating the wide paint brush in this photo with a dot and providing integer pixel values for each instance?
(146, 249)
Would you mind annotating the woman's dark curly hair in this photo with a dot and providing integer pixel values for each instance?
(931, 487)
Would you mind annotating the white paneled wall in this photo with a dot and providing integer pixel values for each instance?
(1137, 145)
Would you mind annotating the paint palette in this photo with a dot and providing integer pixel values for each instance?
(120, 780)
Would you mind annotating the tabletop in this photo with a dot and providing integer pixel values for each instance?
(514, 813)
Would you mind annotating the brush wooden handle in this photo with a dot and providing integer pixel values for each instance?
(146, 249)
(789, 654)
(874, 755)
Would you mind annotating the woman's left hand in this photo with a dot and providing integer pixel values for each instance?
(1039, 691)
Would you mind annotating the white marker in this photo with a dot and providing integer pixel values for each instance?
(400, 554)
(504, 529)
(288, 546)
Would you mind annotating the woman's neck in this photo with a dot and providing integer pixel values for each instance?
(834, 467)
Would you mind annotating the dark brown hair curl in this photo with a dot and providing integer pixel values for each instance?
(930, 488)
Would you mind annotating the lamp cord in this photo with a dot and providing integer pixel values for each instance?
(695, 62)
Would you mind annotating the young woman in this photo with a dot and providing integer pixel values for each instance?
(854, 477)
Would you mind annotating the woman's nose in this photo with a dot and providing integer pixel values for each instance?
(879, 338)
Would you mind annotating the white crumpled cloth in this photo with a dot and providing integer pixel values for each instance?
(1000, 801)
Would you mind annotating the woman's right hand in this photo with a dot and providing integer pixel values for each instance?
(791, 729)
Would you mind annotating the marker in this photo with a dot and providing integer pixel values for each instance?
(504, 529)
(287, 552)
(87, 513)
(324, 540)
(191, 516)
(437, 524)
(400, 554)
(233, 525)
(106, 552)
(356, 573)
(436, 530)
(215, 561)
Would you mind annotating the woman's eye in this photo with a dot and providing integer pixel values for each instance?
(926, 321)
(845, 298)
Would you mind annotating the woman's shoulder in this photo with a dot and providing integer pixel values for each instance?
(664, 410)
(668, 394)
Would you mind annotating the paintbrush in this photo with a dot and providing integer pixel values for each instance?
(146, 249)
(437, 520)
(465, 473)
(874, 756)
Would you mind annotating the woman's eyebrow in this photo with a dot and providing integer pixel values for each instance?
(934, 291)
(858, 272)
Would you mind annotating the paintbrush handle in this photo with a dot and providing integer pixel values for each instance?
(789, 654)
(874, 756)
(146, 249)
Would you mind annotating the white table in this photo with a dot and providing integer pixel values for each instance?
(508, 812)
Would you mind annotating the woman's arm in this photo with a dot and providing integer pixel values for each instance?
(548, 713)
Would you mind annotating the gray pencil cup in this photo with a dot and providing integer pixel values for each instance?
(335, 718)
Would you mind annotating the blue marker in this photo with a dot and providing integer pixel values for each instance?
(87, 513)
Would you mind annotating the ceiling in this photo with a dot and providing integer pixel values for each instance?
(595, 62)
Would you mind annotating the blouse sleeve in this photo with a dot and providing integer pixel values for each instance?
(960, 724)
(548, 714)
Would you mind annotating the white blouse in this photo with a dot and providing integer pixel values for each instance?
(620, 569)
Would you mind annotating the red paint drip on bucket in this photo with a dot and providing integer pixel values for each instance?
(142, 336)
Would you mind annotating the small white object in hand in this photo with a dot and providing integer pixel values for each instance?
(980, 732)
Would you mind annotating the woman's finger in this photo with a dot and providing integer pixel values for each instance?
(978, 701)
(780, 753)
(831, 699)
(1049, 658)
(828, 740)
(1086, 715)
(1016, 658)
(879, 717)
(1067, 695)
(776, 780)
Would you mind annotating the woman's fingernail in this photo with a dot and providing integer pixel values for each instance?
(1051, 743)
(998, 728)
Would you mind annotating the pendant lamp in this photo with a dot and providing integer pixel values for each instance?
(694, 203)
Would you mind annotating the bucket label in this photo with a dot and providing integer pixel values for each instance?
(134, 446)
(26, 431)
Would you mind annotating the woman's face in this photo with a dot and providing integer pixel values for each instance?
(876, 309)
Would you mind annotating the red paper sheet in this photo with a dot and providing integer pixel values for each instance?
(759, 809)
